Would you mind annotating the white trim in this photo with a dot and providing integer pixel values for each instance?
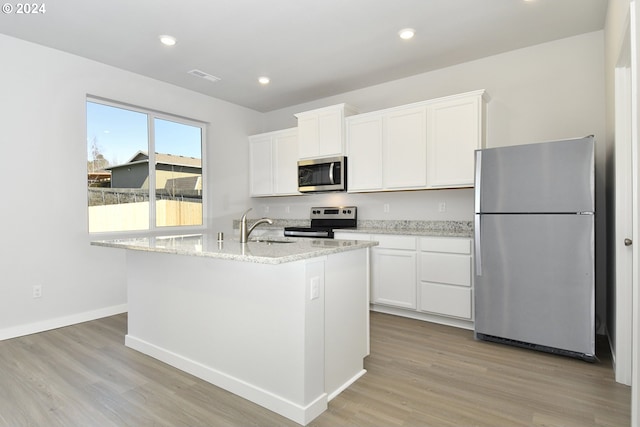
(300, 414)
(346, 385)
(425, 317)
(60, 322)
(622, 351)
(635, 325)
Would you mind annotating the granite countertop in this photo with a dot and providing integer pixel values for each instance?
(414, 228)
(270, 250)
(401, 227)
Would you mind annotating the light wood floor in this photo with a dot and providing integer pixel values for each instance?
(419, 374)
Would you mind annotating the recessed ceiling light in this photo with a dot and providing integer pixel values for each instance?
(167, 40)
(264, 80)
(406, 33)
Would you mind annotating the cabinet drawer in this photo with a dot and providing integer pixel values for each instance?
(446, 244)
(447, 300)
(445, 268)
(395, 242)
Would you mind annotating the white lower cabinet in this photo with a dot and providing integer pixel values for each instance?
(393, 278)
(426, 278)
(445, 276)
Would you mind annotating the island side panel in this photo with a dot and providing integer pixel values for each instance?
(250, 328)
(346, 319)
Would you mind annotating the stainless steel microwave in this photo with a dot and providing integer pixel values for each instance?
(320, 175)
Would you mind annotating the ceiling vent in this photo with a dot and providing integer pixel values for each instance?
(204, 75)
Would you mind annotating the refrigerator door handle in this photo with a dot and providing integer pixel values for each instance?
(478, 178)
(478, 245)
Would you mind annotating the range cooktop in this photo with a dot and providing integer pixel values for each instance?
(324, 220)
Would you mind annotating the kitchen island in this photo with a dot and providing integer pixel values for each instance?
(282, 322)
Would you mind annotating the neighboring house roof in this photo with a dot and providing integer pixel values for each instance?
(161, 158)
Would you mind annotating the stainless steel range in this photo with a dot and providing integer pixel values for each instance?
(325, 220)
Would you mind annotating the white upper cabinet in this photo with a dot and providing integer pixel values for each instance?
(364, 156)
(321, 132)
(285, 162)
(455, 131)
(260, 169)
(405, 154)
(423, 145)
(273, 163)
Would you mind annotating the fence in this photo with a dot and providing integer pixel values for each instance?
(129, 210)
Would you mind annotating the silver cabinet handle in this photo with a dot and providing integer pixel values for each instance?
(628, 242)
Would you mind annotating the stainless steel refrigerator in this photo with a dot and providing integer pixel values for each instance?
(534, 246)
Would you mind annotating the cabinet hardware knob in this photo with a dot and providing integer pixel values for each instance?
(628, 242)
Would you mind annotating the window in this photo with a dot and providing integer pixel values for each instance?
(144, 169)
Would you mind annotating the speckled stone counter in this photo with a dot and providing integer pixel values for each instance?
(415, 228)
(270, 251)
(372, 226)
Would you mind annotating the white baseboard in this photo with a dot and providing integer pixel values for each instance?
(426, 317)
(298, 413)
(346, 385)
(60, 322)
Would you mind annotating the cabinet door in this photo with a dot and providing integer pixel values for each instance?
(405, 149)
(330, 133)
(454, 133)
(364, 168)
(260, 161)
(308, 136)
(321, 132)
(394, 278)
(285, 159)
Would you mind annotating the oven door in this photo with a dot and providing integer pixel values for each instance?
(319, 175)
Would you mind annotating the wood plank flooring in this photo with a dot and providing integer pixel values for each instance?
(419, 374)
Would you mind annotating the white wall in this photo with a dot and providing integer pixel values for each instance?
(545, 92)
(550, 91)
(43, 143)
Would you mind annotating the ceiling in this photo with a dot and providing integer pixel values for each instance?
(310, 49)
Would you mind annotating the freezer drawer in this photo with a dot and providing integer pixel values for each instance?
(535, 281)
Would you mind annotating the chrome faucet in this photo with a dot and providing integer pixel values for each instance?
(244, 231)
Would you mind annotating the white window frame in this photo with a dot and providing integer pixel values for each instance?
(151, 115)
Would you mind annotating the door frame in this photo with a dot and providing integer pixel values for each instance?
(622, 341)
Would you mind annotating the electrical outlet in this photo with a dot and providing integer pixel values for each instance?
(386, 208)
(442, 207)
(287, 209)
(315, 287)
(37, 291)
